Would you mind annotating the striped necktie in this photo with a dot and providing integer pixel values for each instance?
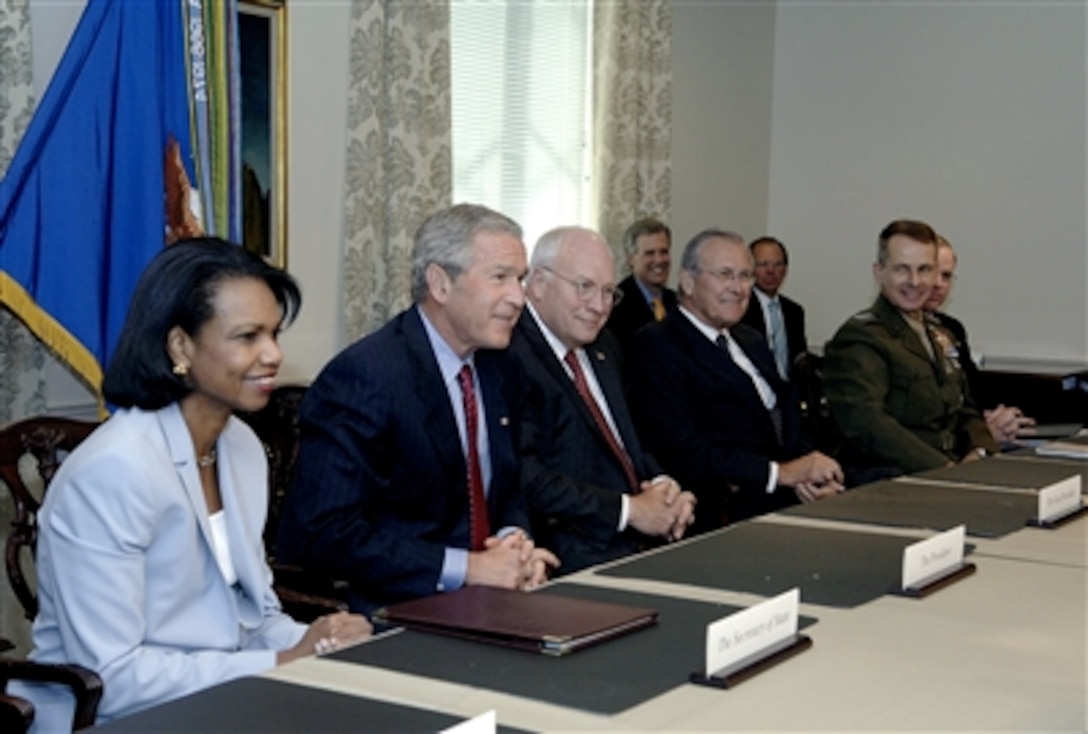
(582, 387)
(479, 527)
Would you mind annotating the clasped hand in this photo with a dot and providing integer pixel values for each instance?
(510, 562)
(813, 476)
(1006, 423)
(661, 509)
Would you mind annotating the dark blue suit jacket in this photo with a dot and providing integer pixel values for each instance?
(379, 487)
(572, 480)
(701, 416)
(633, 312)
(793, 314)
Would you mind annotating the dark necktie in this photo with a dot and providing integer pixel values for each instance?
(582, 387)
(479, 527)
(775, 413)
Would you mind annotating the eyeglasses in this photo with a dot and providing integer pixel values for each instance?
(587, 290)
(728, 275)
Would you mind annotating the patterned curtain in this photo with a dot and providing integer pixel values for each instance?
(632, 113)
(22, 357)
(398, 151)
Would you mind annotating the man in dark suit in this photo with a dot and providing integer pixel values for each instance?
(709, 402)
(407, 479)
(593, 494)
(646, 299)
(781, 319)
(1004, 421)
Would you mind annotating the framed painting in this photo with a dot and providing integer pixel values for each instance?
(262, 48)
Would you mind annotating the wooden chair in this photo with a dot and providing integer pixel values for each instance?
(277, 427)
(85, 685)
(304, 595)
(16, 714)
(46, 441)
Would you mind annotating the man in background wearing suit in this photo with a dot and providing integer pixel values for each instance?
(780, 318)
(1004, 421)
(646, 299)
(593, 494)
(896, 391)
(407, 479)
(708, 399)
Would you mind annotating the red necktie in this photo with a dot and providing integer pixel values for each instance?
(479, 527)
(582, 387)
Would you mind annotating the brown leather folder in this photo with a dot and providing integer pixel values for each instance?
(547, 623)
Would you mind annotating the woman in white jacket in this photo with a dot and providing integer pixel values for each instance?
(151, 567)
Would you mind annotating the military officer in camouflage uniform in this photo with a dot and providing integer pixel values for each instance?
(896, 391)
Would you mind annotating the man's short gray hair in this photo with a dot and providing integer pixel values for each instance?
(690, 259)
(445, 239)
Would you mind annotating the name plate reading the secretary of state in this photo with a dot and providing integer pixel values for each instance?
(750, 641)
(934, 563)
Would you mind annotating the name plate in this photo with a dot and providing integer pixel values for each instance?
(933, 562)
(1059, 499)
(485, 723)
(751, 640)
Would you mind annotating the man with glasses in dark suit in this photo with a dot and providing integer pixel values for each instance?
(709, 401)
(593, 493)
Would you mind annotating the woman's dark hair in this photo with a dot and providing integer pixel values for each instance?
(176, 289)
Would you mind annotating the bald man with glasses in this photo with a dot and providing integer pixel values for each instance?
(709, 401)
(594, 495)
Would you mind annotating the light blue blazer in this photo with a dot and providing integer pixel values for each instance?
(127, 579)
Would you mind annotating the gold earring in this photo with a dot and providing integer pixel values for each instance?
(181, 369)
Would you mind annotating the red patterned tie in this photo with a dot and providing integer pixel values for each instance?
(582, 387)
(479, 527)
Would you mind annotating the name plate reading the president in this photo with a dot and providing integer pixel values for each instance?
(934, 562)
(744, 643)
(1059, 499)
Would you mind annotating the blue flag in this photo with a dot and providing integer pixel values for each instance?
(82, 206)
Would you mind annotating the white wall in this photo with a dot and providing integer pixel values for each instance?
(723, 62)
(318, 82)
(968, 115)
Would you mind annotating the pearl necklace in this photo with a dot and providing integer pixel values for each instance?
(207, 460)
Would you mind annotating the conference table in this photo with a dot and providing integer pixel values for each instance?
(1003, 649)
